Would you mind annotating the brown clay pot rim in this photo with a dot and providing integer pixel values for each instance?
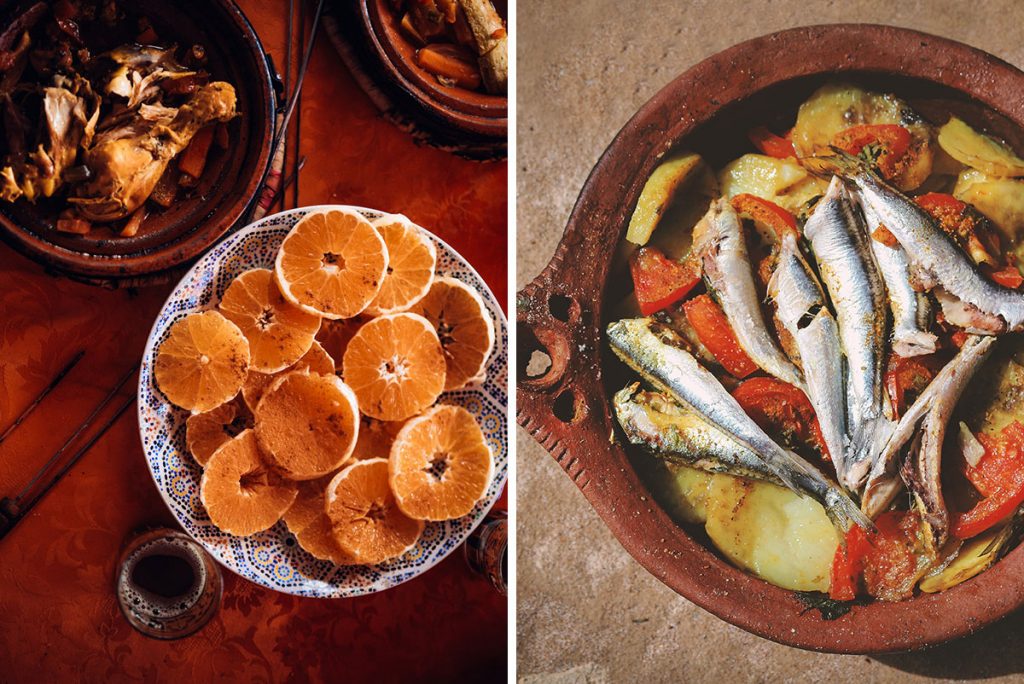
(110, 268)
(571, 333)
(477, 113)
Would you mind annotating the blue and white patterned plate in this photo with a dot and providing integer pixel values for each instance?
(273, 558)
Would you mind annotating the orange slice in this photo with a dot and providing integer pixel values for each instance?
(307, 424)
(315, 360)
(241, 494)
(332, 263)
(440, 464)
(334, 336)
(309, 523)
(206, 432)
(411, 261)
(464, 327)
(203, 361)
(365, 519)
(375, 438)
(395, 366)
(279, 332)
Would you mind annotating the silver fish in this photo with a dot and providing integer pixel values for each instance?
(665, 428)
(935, 258)
(803, 312)
(840, 245)
(938, 398)
(718, 241)
(911, 310)
(656, 353)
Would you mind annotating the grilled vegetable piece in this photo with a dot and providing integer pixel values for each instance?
(782, 181)
(973, 558)
(669, 176)
(979, 151)
(659, 282)
(714, 332)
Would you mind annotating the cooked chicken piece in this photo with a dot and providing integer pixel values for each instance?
(126, 169)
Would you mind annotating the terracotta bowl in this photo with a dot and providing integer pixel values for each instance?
(564, 311)
(228, 185)
(477, 114)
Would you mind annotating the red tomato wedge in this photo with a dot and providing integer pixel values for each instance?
(848, 565)
(781, 410)
(766, 213)
(893, 139)
(770, 144)
(1008, 277)
(999, 477)
(715, 333)
(967, 227)
(660, 282)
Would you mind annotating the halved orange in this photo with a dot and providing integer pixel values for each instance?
(241, 493)
(203, 361)
(206, 432)
(395, 366)
(335, 335)
(308, 521)
(279, 332)
(440, 464)
(365, 519)
(307, 424)
(332, 263)
(315, 360)
(375, 438)
(411, 260)
(464, 327)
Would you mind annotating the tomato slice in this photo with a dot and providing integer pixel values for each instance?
(893, 140)
(770, 144)
(969, 229)
(660, 282)
(892, 566)
(848, 565)
(908, 375)
(781, 410)
(715, 333)
(765, 212)
(1008, 277)
(999, 477)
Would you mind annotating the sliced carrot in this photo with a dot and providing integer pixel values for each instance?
(193, 160)
(450, 62)
(134, 222)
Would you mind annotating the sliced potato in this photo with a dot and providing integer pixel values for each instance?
(999, 199)
(976, 556)
(979, 151)
(838, 106)
(658, 192)
(782, 181)
(684, 493)
(771, 532)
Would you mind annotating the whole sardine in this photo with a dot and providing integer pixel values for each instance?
(655, 352)
(841, 247)
(936, 258)
(938, 398)
(803, 312)
(911, 310)
(669, 430)
(719, 243)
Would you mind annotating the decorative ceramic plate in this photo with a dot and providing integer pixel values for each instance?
(273, 558)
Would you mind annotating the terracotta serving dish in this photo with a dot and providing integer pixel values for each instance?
(476, 114)
(564, 312)
(228, 185)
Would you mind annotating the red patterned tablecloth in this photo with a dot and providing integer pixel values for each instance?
(58, 617)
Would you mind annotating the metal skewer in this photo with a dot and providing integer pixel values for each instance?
(42, 395)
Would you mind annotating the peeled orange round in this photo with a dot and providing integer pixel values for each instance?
(308, 521)
(332, 263)
(365, 518)
(395, 366)
(411, 260)
(307, 424)
(203, 361)
(241, 494)
(206, 432)
(375, 438)
(315, 360)
(440, 465)
(279, 332)
(464, 327)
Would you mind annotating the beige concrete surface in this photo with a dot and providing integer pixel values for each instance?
(586, 611)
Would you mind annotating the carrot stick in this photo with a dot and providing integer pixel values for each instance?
(131, 227)
(193, 160)
(450, 62)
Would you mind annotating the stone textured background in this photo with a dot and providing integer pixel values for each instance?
(587, 612)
